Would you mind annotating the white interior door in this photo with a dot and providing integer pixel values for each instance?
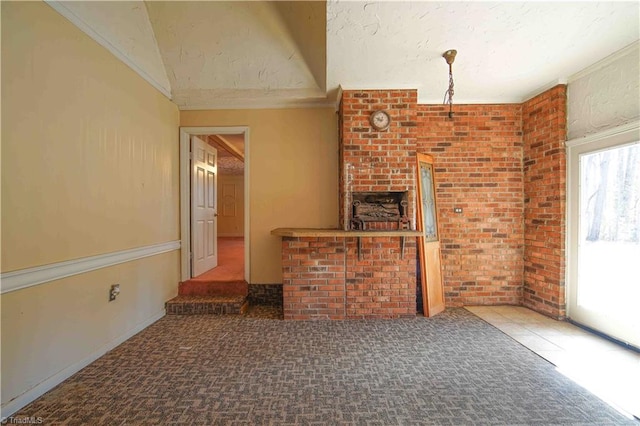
(604, 214)
(204, 214)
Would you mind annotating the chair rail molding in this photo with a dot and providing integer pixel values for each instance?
(29, 277)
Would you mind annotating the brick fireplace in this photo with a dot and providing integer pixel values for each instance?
(377, 161)
(366, 269)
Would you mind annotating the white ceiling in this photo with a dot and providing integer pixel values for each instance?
(213, 54)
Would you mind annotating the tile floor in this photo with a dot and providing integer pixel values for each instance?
(608, 370)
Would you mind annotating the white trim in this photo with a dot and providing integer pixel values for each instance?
(23, 278)
(185, 191)
(604, 62)
(247, 209)
(257, 104)
(40, 389)
(338, 99)
(62, 9)
(540, 90)
(616, 137)
(185, 206)
(618, 130)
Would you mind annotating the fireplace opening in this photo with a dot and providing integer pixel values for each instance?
(379, 210)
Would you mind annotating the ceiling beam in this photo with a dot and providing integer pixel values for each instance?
(228, 146)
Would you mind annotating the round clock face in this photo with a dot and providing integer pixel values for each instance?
(380, 120)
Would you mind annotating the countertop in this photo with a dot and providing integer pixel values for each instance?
(323, 232)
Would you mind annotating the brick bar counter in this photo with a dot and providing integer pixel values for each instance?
(335, 274)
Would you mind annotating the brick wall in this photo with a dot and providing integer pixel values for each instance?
(503, 165)
(265, 294)
(544, 128)
(377, 160)
(478, 167)
(324, 279)
(381, 284)
(313, 278)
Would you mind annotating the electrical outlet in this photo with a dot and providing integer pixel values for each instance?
(114, 292)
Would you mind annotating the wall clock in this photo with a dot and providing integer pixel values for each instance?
(380, 120)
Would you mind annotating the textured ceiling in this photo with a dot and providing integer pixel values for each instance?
(230, 166)
(507, 51)
(241, 52)
(214, 54)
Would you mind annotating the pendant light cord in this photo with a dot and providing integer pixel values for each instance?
(448, 95)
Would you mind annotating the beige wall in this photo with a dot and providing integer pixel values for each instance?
(89, 166)
(230, 205)
(54, 326)
(89, 150)
(293, 175)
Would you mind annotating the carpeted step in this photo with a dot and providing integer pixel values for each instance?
(207, 305)
(213, 288)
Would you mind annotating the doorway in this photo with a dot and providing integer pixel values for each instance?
(604, 235)
(232, 206)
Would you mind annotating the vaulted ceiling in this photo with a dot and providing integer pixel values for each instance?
(256, 54)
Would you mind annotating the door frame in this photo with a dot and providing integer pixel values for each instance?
(617, 136)
(185, 194)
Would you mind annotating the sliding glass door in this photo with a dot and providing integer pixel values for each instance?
(604, 236)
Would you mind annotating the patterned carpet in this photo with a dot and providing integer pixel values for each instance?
(453, 369)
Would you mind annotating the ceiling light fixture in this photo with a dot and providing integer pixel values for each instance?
(449, 56)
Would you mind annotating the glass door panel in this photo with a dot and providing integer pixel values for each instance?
(607, 293)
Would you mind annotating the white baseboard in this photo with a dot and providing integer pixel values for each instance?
(34, 393)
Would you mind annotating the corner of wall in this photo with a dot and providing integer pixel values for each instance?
(544, 168)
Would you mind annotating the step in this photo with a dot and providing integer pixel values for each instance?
(207, 305)
(213, 288)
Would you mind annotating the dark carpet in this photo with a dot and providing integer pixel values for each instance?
(453, 369)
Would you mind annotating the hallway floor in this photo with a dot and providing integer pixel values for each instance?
(608, 370)
(230, 262)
